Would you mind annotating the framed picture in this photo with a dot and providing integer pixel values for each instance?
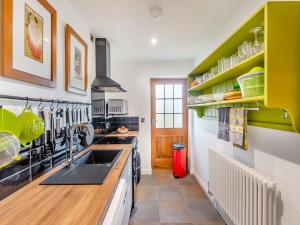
(29, 41)
(76, 62)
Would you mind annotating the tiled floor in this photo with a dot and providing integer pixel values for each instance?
(164, 200)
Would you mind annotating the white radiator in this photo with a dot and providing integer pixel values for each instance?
(246, 196)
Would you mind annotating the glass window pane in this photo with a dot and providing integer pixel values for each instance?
(159, 91)
(160, 106)
(169, 106)
(160, 121)
(177, 105)
(178, 121)
(169, 91)
(177, 90)
(168, 120)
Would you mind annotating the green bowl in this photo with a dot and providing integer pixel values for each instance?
(9, 122)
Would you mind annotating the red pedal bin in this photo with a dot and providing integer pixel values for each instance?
(179, 160)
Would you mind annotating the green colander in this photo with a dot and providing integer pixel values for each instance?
(32, 127)
(252, 83)
(9, 122)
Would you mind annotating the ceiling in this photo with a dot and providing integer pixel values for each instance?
(185, 28)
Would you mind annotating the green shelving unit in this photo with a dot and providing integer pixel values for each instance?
(280, 59)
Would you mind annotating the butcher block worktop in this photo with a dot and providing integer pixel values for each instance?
(116, 134)
(37, 204)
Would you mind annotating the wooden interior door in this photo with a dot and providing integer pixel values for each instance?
(168, 119)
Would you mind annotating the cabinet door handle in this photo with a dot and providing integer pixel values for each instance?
(125, 198)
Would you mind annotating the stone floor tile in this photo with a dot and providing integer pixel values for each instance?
(148, 193)
(173, 212)
(202, 211)
(147, 212)
(169, 192)
(188, 180)
(192, 192)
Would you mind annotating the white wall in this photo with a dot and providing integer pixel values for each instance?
(272, 152)
(135, 78)
(65, 14)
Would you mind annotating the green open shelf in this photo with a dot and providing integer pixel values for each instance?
(235, 101)
(234, 72)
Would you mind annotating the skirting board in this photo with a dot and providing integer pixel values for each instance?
(211, 198)
(200, 181)
(146, 171)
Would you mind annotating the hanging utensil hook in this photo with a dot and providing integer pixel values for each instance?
(51, 106)
(58, 104)
(40, 107)
(27, 106)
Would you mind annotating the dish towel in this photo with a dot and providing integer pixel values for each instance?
(238, 127)
(223, 132)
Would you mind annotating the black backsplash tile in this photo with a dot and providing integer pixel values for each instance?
(132, 123)
(99, 122)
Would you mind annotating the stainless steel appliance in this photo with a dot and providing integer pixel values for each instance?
(98, 107)
(117, 106)
(103, 82)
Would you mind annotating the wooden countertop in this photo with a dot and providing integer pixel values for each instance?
(37, 204)
(116, 134)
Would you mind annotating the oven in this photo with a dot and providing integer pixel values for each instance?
(136, 174)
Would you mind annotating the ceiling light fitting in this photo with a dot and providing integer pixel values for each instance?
(156, 13)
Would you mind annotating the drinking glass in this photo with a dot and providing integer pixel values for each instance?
(241, 53)
(223, 63)
(257, 46)
(219, 66)
(233, 61)
(247, 49)
(199, 79)
(214, 70)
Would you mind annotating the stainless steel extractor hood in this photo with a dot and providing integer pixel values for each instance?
(103, 82)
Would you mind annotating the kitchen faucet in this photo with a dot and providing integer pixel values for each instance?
(70, 161)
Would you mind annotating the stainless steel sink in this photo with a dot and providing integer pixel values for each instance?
(91, 168)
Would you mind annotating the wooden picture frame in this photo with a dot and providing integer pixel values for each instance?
(7, 56)
(70, 33)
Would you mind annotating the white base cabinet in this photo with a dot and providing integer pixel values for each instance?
(128, 205)
(120, 207)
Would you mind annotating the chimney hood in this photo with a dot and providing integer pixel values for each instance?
(103, 82)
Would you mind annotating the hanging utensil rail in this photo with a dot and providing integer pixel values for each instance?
(42, 100)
